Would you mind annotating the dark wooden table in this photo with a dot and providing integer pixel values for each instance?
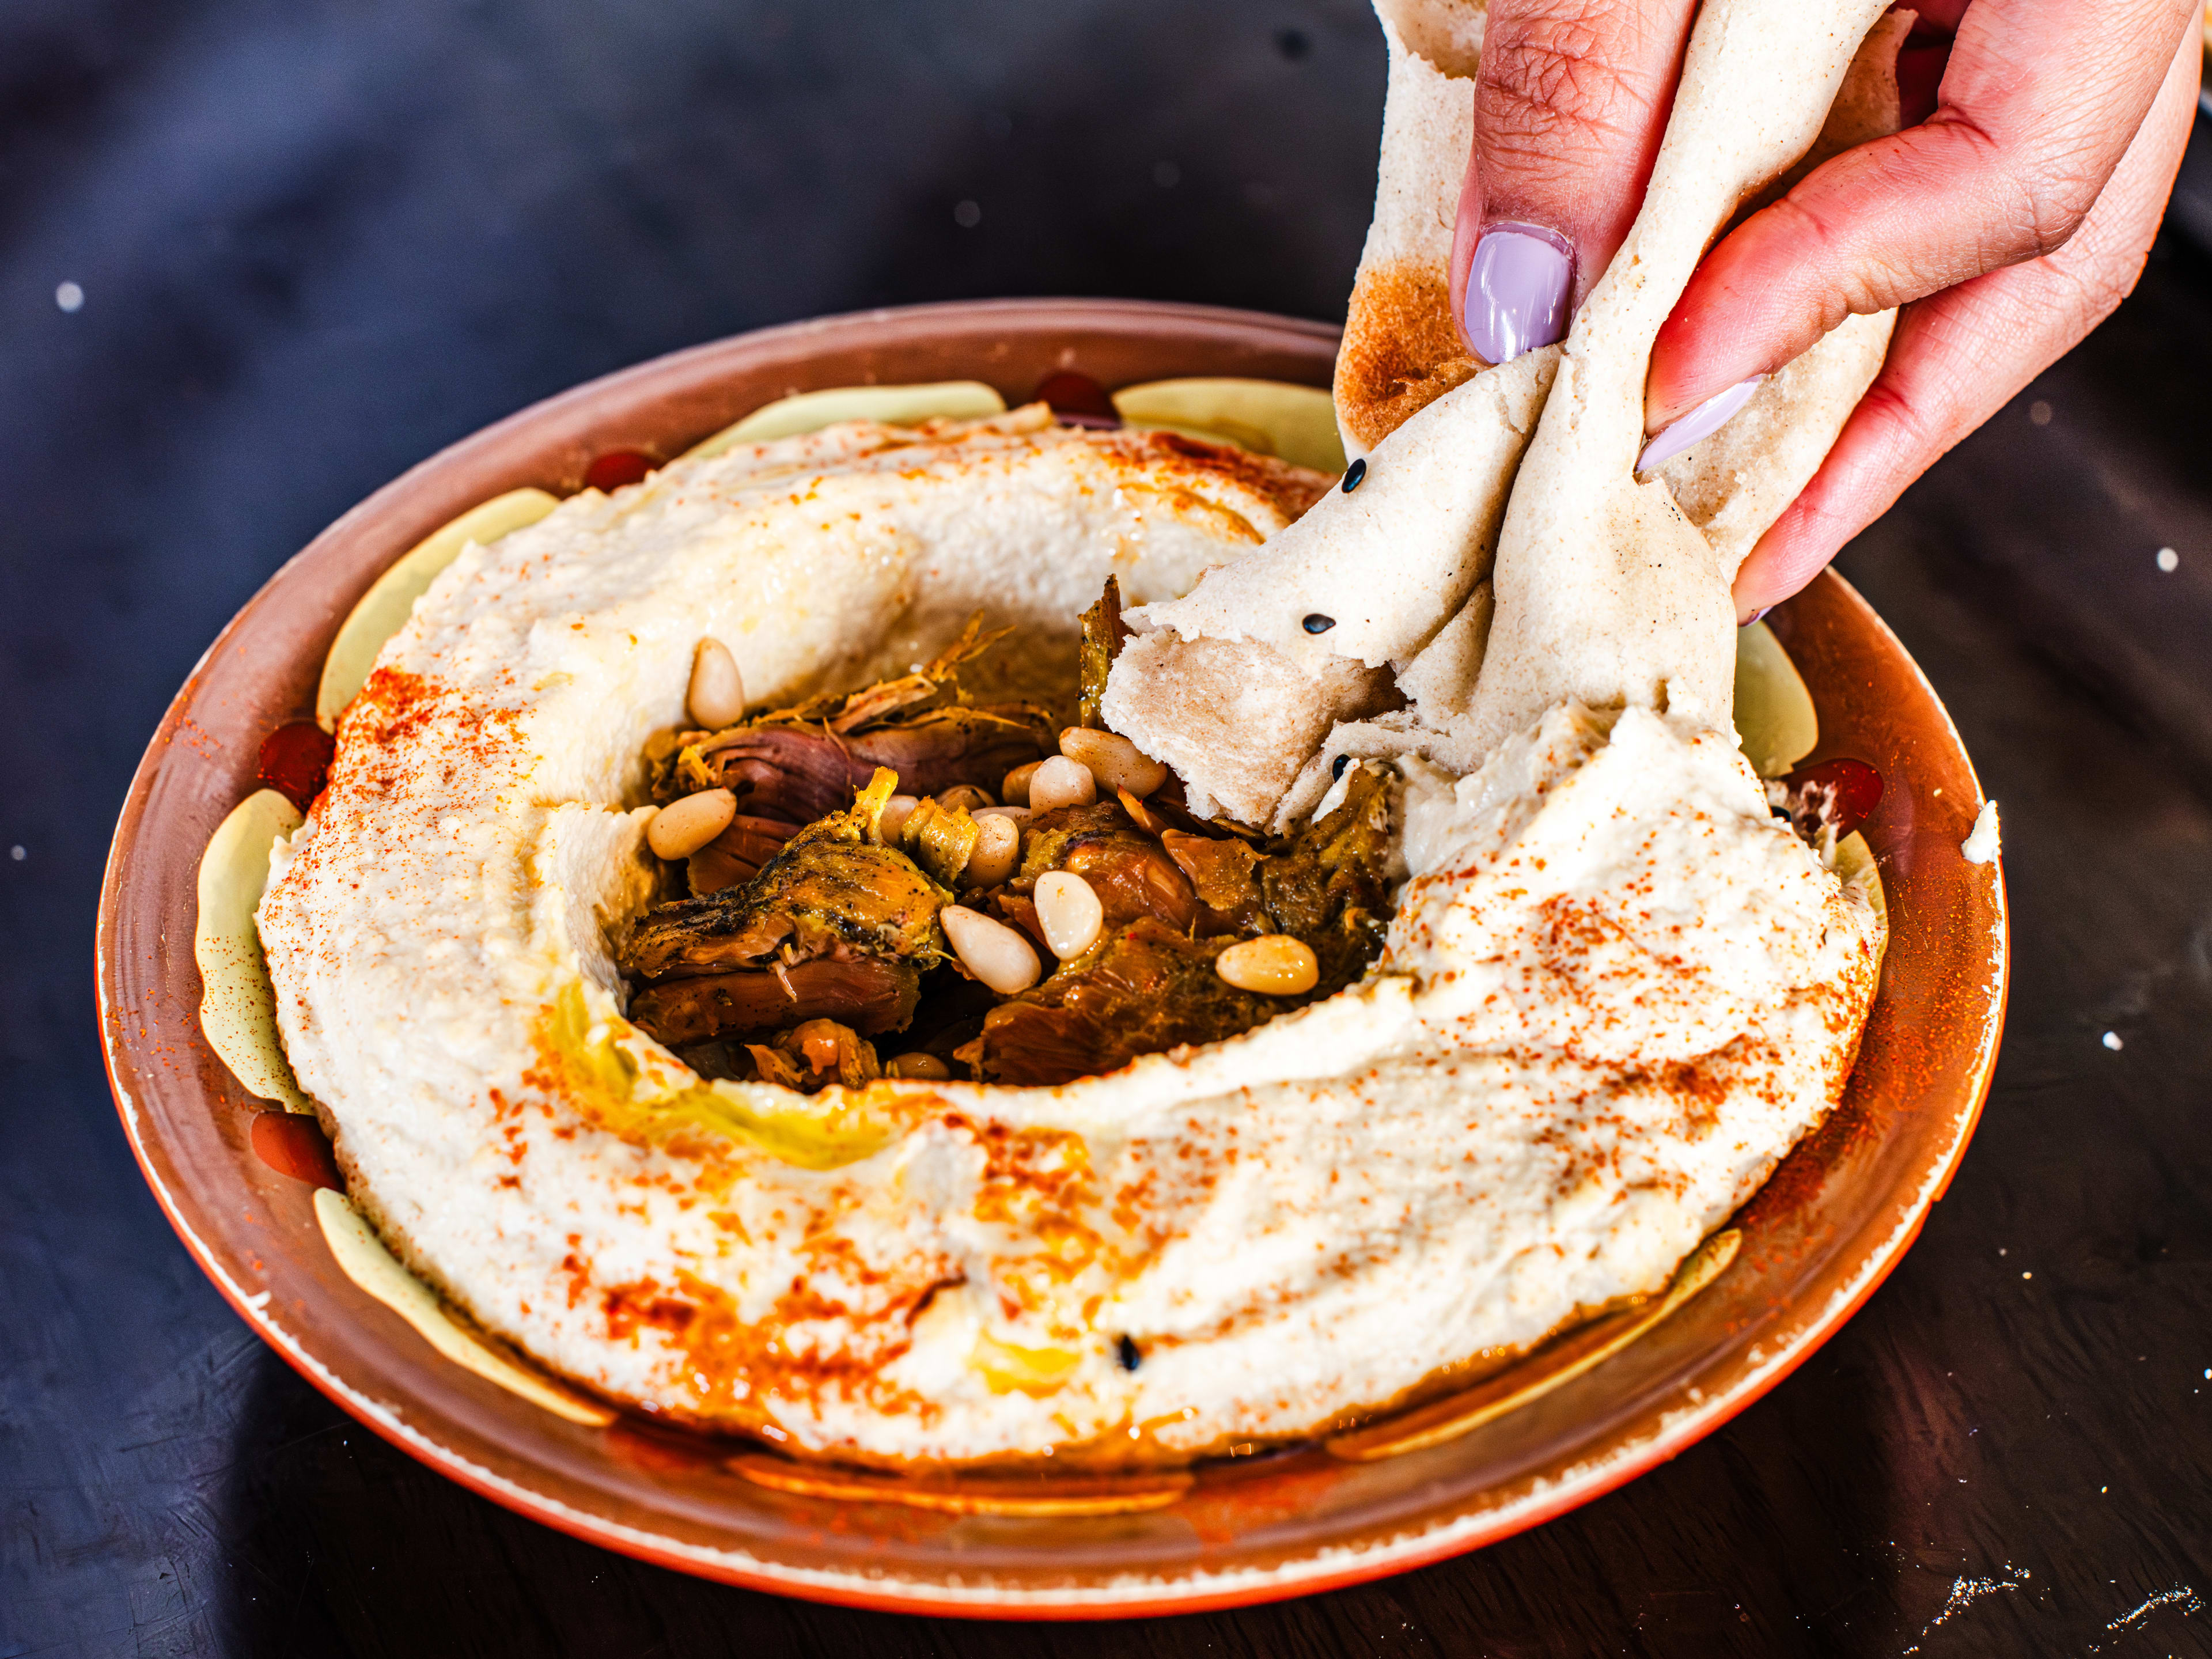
(317, 241)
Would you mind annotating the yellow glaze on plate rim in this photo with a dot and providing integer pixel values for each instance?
(893, 405)
(238, 1008)
(377, 1272)
(1295, 423)
(384, 609)
(1775, 720)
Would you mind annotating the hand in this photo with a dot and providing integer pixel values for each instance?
(2007, 223)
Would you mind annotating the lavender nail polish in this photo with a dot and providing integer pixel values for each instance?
(1516, 290)
(1707, 418)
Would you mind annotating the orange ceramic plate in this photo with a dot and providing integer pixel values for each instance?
(1814, 1243)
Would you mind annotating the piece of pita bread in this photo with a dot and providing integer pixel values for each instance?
(1401, 569)
(1605, 592)
(1401, 351)
(1231, 686)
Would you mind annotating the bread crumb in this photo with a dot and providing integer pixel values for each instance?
(1980, 846)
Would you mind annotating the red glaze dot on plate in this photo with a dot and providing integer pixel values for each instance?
(295, 762)
(293, 1144)
(617, 467)
(1839, 793)
(1076, 398)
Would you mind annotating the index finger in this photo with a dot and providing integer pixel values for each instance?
(2040, 99)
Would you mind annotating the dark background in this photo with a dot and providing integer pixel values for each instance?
(317, 241)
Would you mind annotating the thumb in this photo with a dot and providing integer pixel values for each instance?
(1570, 105)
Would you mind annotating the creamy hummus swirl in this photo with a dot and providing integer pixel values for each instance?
(1616, 991)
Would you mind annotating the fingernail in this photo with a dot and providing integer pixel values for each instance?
(1755, 616)
(1516, 290)
(1707, 418)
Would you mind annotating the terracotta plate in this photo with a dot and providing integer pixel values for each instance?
(1816, 1241)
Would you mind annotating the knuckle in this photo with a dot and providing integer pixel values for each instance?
(2051, 207)
(1908, 430)
(2039, 191)
(1822, 241)
(1557, 74)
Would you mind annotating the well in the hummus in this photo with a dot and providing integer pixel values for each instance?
(905, 880)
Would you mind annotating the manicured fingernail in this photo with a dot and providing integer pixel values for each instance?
(1516, 290)
(1707, 418)
(1755, 616)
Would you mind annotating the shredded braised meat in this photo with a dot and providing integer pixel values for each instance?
(795, 765)
(836, 925)
(1172, 907)
(1143, 988)
(808, 929)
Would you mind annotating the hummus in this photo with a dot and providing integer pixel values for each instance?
(1615, 993)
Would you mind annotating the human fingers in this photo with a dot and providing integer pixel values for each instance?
(1959, 356)
(2038, 102)
(1570, 105)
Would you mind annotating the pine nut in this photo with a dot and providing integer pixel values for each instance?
(890, 823)
(683, 827)
(1059, 783)
(1015, 791)
(998, 849)
(1113, 760)
(1274, 963)
(990, 949)
(926, 1068)
(964, 795)
(717, 696)
(1069, 912)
